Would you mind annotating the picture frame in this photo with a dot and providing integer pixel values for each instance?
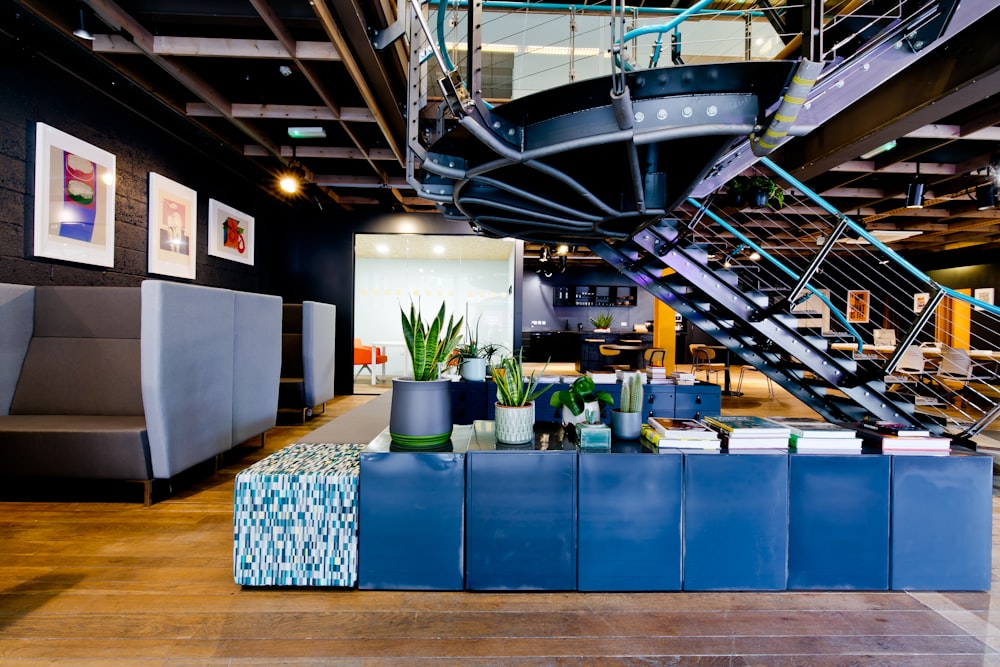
(858, 306)
(74, 217)
(230, 233)
(173, 228)
(920, 300)
(984, 294)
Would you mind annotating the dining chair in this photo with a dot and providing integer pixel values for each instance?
(655, 356)
(702, 360)
(753, 369)
(954, 371)
(610, 354)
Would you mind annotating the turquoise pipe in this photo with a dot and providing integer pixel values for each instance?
(564, 7)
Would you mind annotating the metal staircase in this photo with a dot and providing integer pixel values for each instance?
(640, 168)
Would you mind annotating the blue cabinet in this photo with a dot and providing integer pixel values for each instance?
(942, 521)
(694, 401)
(412, 517)
(735, 521)
(629, 521)
(838, 523)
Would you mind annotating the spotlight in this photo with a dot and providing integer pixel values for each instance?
(754, 256)
(562, 263)
(915, 191)
(546, 254)
(562, 249)
(291, 181)
(986, 196)
(728, 262)
(82, 31)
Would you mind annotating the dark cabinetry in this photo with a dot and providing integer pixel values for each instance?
(590, 358)
(594, 295)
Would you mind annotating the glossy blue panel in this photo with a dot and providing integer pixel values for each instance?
(941, 522)
(735, 521)
(629, 522)
(697, 400)
(411, 530)
(838, 522)
(521, 520)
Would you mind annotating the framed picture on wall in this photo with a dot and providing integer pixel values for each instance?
(230, 233)
(74, 199)
(920, 300)
(173, 228)
(984, 294)
(857, 306)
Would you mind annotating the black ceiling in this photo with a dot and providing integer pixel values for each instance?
(224, 70)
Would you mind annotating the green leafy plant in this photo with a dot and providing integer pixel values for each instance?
(602, 321)
(744, 188)
(582, 391)
(429, 344)
(632, 393)
(512, 389)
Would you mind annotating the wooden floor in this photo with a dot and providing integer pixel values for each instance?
(110, 582)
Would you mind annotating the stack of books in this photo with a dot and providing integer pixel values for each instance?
(656, 375)
(668, 433)
(748, 432)
(682, 378)
(892, 437)
(620, 375)
(814, 435)
(602, 377)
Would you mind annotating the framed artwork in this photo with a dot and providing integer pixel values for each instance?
(74, 199)
(173, 228)
(984, 294)
(857, 306)
(230, 233)
(920, 300)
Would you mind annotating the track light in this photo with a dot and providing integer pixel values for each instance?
(986, 196)
(915, 191)
(545, 255)
(562, 249)
(562, 263)
(82, 31)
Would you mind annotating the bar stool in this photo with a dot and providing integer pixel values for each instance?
(609, 353)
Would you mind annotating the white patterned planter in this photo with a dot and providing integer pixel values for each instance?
(515, 425)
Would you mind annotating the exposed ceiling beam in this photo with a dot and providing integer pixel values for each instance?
(324, 152)
(335, 181)
(112, 14)
(214, 47)
(936, 131)
(285, 111)
(868, 167)
(277, 26)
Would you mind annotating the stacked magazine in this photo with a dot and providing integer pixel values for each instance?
(748, 432)
(814, 435)
(668, 433)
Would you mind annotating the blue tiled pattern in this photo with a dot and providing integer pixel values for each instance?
(295, 519)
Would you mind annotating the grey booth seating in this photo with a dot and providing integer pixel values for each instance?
(132, 383)
(307, 356)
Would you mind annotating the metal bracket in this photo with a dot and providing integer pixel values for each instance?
(386, 36)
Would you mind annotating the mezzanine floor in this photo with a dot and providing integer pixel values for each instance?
(108, 581)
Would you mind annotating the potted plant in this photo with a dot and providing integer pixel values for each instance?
(420, 412)
(468, 356)
(626, 421)
(515, 407)
(755, 191)
(581, 397)
(602, 322)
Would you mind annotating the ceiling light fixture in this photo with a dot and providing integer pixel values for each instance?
(986, 196)
(82, 31)
(562, 249)
(915, 191)
(291, 181)
(888, 146)
(754, 256)
(545, 254)
(307, 133)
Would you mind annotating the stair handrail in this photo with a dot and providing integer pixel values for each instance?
(840, 317)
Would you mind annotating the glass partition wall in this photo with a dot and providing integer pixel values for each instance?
(473, 276)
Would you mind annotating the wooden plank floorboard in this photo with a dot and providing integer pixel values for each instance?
(86, 581)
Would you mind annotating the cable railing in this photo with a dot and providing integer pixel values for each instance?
(935, 347)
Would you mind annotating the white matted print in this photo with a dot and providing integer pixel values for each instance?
(230, 233)
(984, 294)
(173, 227)
(74, 199)
(920, 300)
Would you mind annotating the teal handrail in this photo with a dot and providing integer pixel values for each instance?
(784, 269)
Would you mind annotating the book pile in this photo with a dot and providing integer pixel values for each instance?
(620, 375)
(602, 377)
(682, 378)
(668, 433)
(656, 375)
(814, 435)
(748, 432)
(893, 437)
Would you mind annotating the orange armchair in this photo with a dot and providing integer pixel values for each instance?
(366, 356)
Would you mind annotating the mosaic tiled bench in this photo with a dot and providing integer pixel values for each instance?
(295, 518)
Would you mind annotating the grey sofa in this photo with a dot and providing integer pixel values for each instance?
(132, 383)
(307, 356)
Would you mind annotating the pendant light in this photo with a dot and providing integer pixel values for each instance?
(915, 191)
